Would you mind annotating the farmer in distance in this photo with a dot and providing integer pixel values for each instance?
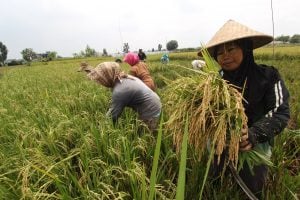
(142, 55)
(266, 96)
(139, 69)
(127, 91)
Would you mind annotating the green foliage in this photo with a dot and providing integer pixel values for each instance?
(56, 142)
(3, 53)
(281, 53)
(51, 55)
(89, 52)
(159, 47)
(172, 45)
(28, 54)
(183, 158)
(125, 48)
(295, 39)
(283, 38)
(104, 52)
(261, 154)
(15, 62)
(153, 175)
(286, 38)
(285, 178)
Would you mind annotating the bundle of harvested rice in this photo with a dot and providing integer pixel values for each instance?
(215, 110)
(215, 113)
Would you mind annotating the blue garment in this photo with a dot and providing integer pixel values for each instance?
(165, 58)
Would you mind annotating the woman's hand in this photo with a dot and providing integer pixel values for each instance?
(245, 145)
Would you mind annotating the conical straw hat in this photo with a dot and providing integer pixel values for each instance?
(233, 30)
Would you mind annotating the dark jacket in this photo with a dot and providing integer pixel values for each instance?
(266, 104)
(142, 56)
(266, 96)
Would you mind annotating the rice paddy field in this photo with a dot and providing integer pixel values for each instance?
(57, 143)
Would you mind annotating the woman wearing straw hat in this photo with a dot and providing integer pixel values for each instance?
(127, 91)
(266, 96)
(139, 69)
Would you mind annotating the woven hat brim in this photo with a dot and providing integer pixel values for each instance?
(232, 31)
(258, 41)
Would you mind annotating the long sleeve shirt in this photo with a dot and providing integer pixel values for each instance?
(132, 92)
(269, 116)
(141, 71)
(266, 106)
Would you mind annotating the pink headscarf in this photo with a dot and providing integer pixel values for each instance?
(131, 58)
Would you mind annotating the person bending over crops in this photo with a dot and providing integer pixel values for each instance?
(142, 55)
(198, 64)
(265, 94)
(165, 59)
(139, 69)
(127, 91)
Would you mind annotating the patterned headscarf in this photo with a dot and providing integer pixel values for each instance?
(131, 58)
(107, 73)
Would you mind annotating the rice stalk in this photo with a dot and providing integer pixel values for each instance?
(182, 168)
(155, 161)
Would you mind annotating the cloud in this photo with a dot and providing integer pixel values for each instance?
(67, 26)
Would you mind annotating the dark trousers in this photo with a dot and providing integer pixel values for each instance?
(254, 179)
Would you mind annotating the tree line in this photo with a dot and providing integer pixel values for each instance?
(170, 46)
(30, 55)
(288, 39)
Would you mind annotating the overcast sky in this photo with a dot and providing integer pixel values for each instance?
(67, 26)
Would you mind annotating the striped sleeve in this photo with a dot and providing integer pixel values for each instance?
(276, 117)
(278, 98)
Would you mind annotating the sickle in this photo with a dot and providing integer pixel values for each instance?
(241, 183)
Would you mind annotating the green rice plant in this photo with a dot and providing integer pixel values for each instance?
(155, 162)
(260, 154)
(285, 178)
(182, 168)
(56, 142)
(287, 52)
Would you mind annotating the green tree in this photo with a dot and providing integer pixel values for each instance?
(104, 52)
(51, 55)
(159, 47)
(283, 38)
(295, 39)
(77, 55)
(172, 45)
(3, 53)
(28, 54)
(89, 52)
(82, 54)
(125, 48)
